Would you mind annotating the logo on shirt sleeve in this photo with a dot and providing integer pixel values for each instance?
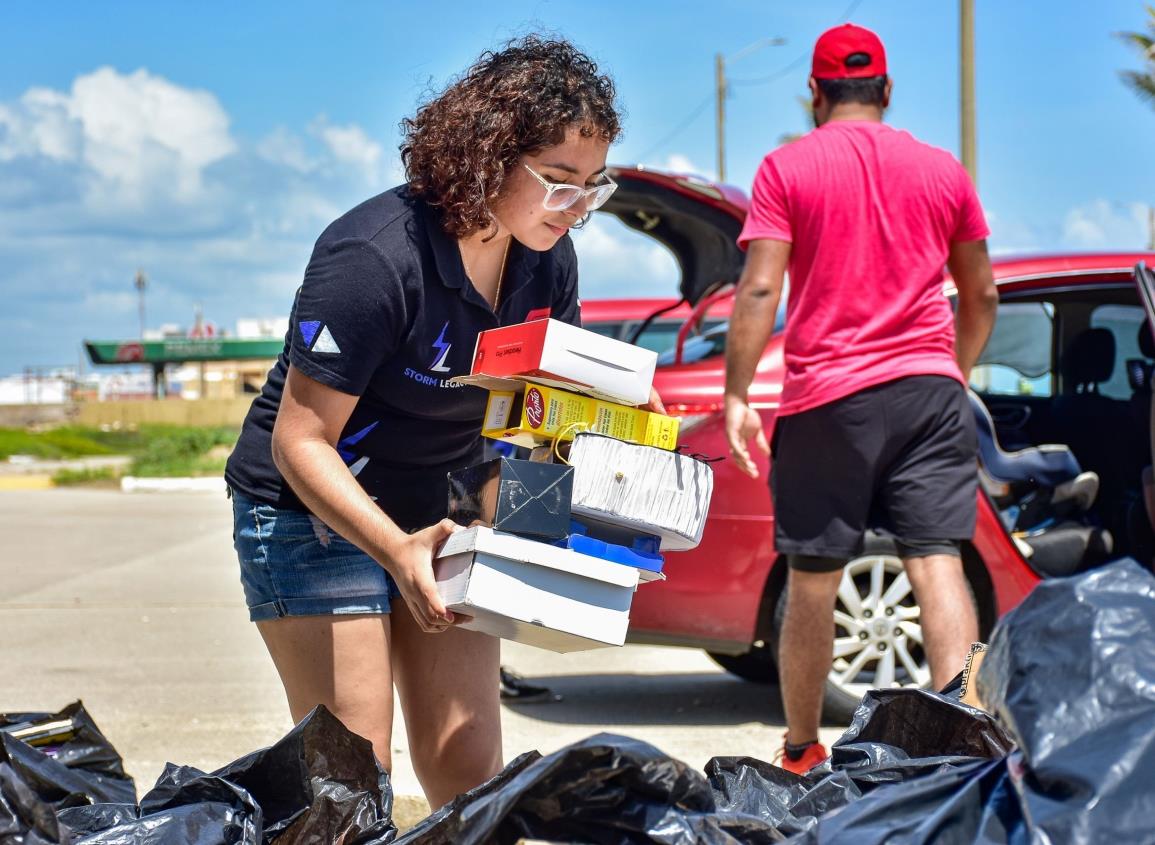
(438, 365)
(355, 462)
(318, 338)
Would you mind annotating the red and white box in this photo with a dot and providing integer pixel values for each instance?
(557, 354)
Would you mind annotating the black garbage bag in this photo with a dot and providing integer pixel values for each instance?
(896, 736)
(747, 786)
(955, 804)
(320, 783)
(24, 818)
(786, 802)
(604, 789)
(81, 767)
(185, 807)
(474, 808)
(1071, 673)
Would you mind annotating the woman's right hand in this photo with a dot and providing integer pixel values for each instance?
(412, 569)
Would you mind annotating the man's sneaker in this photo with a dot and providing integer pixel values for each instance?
(814, 754)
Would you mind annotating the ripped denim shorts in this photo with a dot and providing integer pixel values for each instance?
(293, 564)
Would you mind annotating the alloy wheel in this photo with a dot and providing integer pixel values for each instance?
(878, 639)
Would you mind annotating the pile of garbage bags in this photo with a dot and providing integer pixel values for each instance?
(1064, 755)
(320, 784)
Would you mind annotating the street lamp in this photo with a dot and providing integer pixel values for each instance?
(721, 91)
(141, 282)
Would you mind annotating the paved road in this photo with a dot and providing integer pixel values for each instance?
(131, 603)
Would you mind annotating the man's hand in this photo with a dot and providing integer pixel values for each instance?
(743, 423)
(412, 569)
(751, 324)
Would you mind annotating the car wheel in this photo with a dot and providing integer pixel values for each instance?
(877, 634)
(757, 665)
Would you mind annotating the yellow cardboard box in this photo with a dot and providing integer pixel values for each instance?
(534, 417)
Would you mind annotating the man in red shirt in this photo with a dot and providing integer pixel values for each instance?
(874, 426)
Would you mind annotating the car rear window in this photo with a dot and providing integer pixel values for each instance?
(1017, 360)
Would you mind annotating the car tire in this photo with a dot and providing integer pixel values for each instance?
(871, 650)
(757, 665)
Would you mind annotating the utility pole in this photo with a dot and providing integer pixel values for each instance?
(141, 282)
(966, 57)
(1151, 227)
(720, 93)
(721, 89)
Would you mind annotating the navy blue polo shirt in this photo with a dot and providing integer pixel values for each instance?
(386, 313)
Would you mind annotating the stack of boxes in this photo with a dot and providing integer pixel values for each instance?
(555, 546)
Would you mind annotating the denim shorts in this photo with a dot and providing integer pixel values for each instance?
(293, 564)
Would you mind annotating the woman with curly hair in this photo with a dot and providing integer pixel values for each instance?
(338, 479)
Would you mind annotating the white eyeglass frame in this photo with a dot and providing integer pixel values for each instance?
(576, 194)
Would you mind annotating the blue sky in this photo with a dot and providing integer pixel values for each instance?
(209, 143)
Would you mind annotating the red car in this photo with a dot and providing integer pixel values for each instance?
(1067, 364)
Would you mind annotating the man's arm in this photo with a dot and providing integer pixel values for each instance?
(978, 300)
(751, 324)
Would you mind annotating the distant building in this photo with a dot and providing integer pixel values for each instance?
(169, 361)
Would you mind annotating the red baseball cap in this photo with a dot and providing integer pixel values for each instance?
(848, 52)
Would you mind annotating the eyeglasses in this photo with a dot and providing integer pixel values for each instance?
(560, 196)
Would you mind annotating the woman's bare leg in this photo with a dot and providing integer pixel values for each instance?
(448, 686)
(342, 662)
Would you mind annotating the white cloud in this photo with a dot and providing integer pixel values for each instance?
(39, 124)
(127, 170)
(133, 135)
(139, 124)
(1013, 236)
(678, 163)
(350, 145)
(1103, 224)
(286, 148)
(616, 261)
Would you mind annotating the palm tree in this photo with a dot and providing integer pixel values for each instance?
(1142, 82)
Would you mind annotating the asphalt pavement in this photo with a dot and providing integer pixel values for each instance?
(131, 602)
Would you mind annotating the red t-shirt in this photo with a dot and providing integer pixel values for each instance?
(870, 213)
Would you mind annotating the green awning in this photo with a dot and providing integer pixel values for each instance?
(179, 350)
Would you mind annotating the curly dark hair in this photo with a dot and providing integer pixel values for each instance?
(462, 144)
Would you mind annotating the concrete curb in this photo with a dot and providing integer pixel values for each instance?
(133, 484)
(26, 482)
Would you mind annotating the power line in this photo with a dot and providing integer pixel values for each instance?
(778, 74)
(677, 130)
(796, 63)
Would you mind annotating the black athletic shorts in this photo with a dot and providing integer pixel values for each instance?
(900, 456)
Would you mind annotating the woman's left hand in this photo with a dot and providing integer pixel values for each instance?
(655, 404)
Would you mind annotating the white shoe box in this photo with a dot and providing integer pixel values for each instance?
(535, 593)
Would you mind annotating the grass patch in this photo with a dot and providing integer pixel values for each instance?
(57, 443)
(99, 477)
(156, 450)
(172, 451)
